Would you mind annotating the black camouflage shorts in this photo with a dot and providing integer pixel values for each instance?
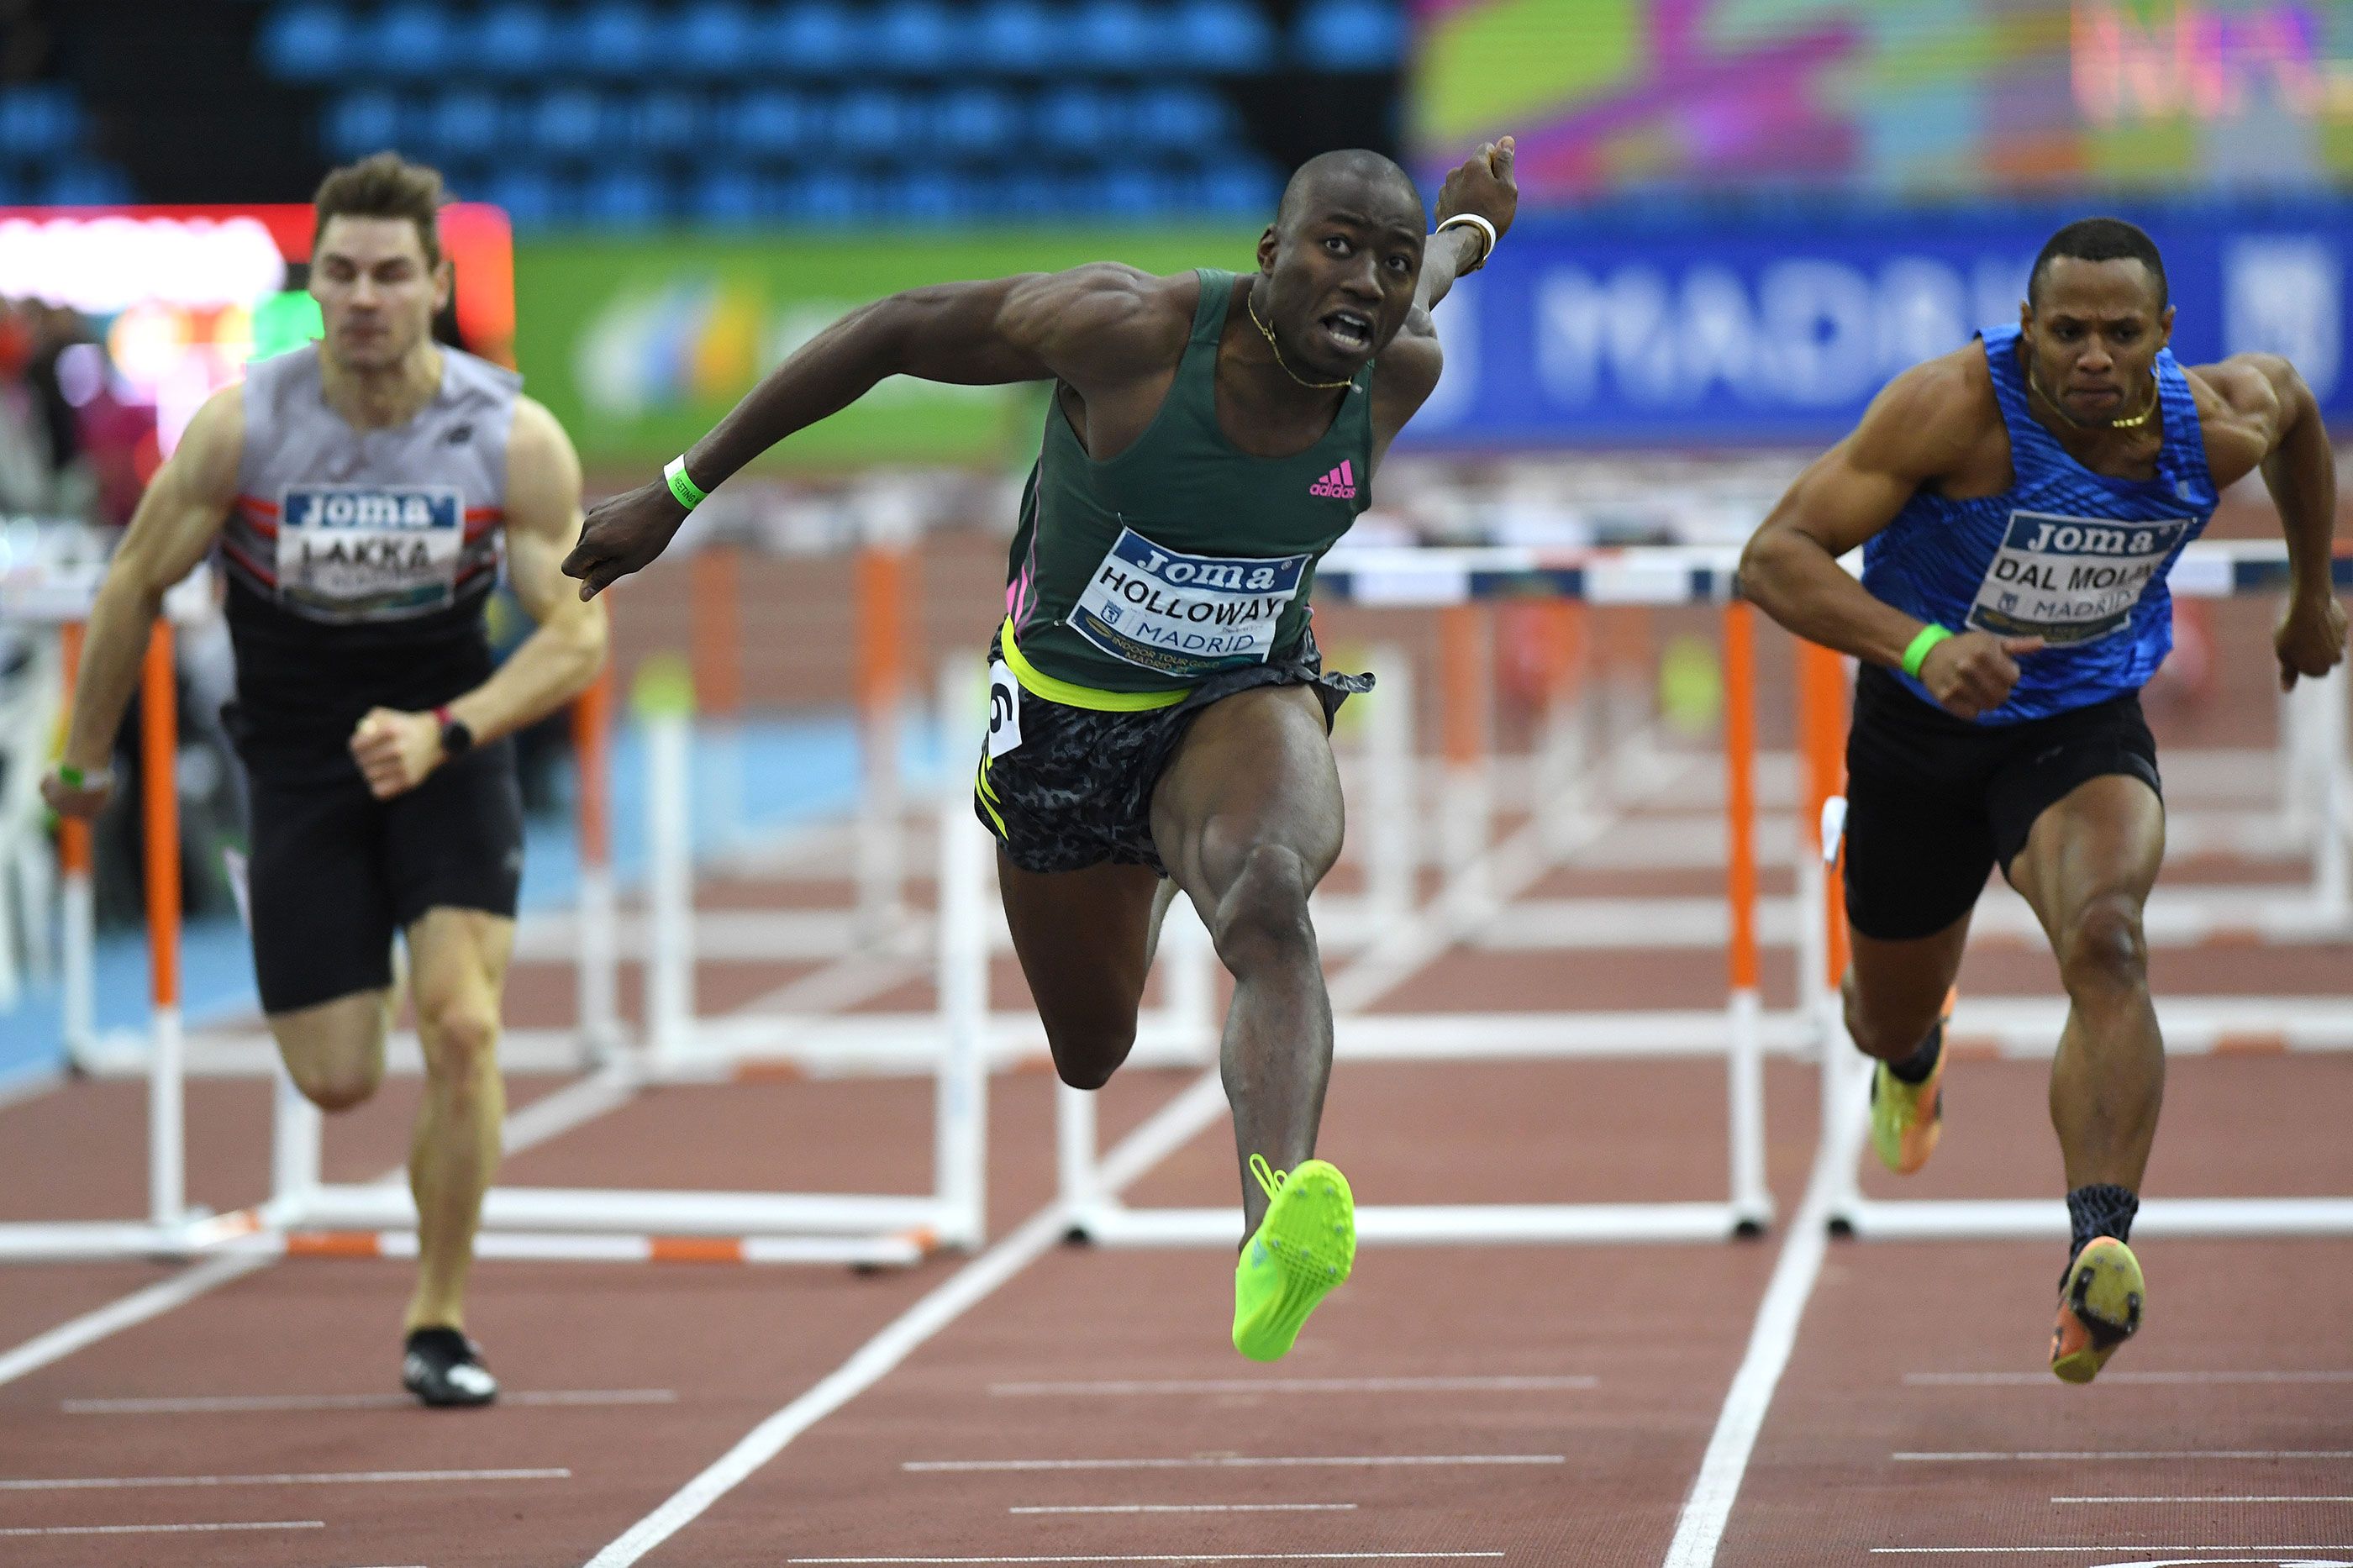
(1075, 789)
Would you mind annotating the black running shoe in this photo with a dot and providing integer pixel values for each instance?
(442, 1366)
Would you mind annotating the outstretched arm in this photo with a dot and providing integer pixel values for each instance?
(178, 519)
(1916, 430)
(1089, 326)
(1411, 365)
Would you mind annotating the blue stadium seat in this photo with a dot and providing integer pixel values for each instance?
(1117, 36)
(36, 119)
(1019, 37)
(359, 123)
(923, 195)
(1177, 118)
(1350, 36)
(527, 195)
(82, 182)
(916, 37)
(412, 40)
(664, 120)
(623, 197)
(617, 39)
(1227, 36)
(516, 38)
(463, 121)
(1024, 194)
(813, 39)
(312, 41)
(873, 122)
(772, 123)
(974, 122)
(1128, 193)
(1245, 186)
(727, 194)
(1081, 120)
(569, 121)
(827, 196)
(715, 38)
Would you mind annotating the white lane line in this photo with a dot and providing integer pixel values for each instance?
(215, 1403)
(1191, 1508)
(163, 1529)
(1233, 1462)
(1295, 1385)
(1708, 1509)
(285, 1478)
(2032, 1456)
(2267, 1554)
(1197, 1557)
(1389, 963)
(2159, 1379)
(2205, 1499)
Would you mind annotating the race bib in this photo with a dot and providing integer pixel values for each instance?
(368, 550)
(2070, 579)
(1185, 615)
(1004, 710)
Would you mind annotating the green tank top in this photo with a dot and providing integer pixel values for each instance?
(1132, 580)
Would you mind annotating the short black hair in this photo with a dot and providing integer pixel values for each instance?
(1358, 161)
(2100, 239)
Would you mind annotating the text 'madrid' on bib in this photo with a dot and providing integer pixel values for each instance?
(363, 549)
(1184, 616)
(2071, 580)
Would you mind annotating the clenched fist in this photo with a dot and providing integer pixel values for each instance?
(1972, 673)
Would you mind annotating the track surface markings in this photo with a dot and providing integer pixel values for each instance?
(2127, 1454)
(283, 1479)
(2161, 1378)
(234, 1404)
(1189, 1508)
(2267, 1554)
(1115, 1389)
(2207, 1499)
(1196, 1557)
(163, 1529)
(1233, 1462)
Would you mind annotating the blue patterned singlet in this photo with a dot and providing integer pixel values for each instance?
(2073, 557)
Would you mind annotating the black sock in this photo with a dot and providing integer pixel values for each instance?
(2101, 1209)
(1916, 1068)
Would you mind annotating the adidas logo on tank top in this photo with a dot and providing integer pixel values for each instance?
(1340, 483)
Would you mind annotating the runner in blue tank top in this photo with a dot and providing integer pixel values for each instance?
(2020, 501)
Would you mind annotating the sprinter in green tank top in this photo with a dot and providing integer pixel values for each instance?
(1158, 707)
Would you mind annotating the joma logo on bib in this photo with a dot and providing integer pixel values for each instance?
(1185, 615)
(370, 551)
(2073, 579)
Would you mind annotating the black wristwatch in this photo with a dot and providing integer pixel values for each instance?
(457, 740)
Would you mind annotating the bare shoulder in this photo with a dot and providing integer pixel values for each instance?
(1105, 314)
(538, 437)
(212, 447)
(2245, 404)
(1933, 419)
(542, 471)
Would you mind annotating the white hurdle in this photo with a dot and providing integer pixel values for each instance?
(1479, 892)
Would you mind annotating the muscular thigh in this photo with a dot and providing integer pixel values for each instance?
(1080, 936)
(2104, 838)
(1256, 768)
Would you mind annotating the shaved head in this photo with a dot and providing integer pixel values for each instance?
(1347, 176)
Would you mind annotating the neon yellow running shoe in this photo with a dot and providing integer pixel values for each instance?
(1303, 1248)
(2099, 1308)
(1907, 1119)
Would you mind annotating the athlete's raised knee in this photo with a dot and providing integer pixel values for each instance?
(2103, 947)
(336, 1081)
(460, 1037)
(1086, 1052)
(1261, 917)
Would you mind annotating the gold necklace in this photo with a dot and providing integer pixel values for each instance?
(1249, 303)
(2132, 422)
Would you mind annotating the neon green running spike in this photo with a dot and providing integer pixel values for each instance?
(1303, 1248)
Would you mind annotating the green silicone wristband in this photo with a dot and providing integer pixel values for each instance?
(69, 776)
(1915, 655)
(689, 494)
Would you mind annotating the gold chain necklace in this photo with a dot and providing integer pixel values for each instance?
(2132, 422)
(1249, 303)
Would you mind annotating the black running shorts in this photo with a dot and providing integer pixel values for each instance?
(335, 872)
(1075, 789)
(1933, 803)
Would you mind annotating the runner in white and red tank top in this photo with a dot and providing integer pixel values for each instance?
(362, 493)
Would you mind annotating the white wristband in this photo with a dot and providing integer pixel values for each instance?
(1486, 232)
